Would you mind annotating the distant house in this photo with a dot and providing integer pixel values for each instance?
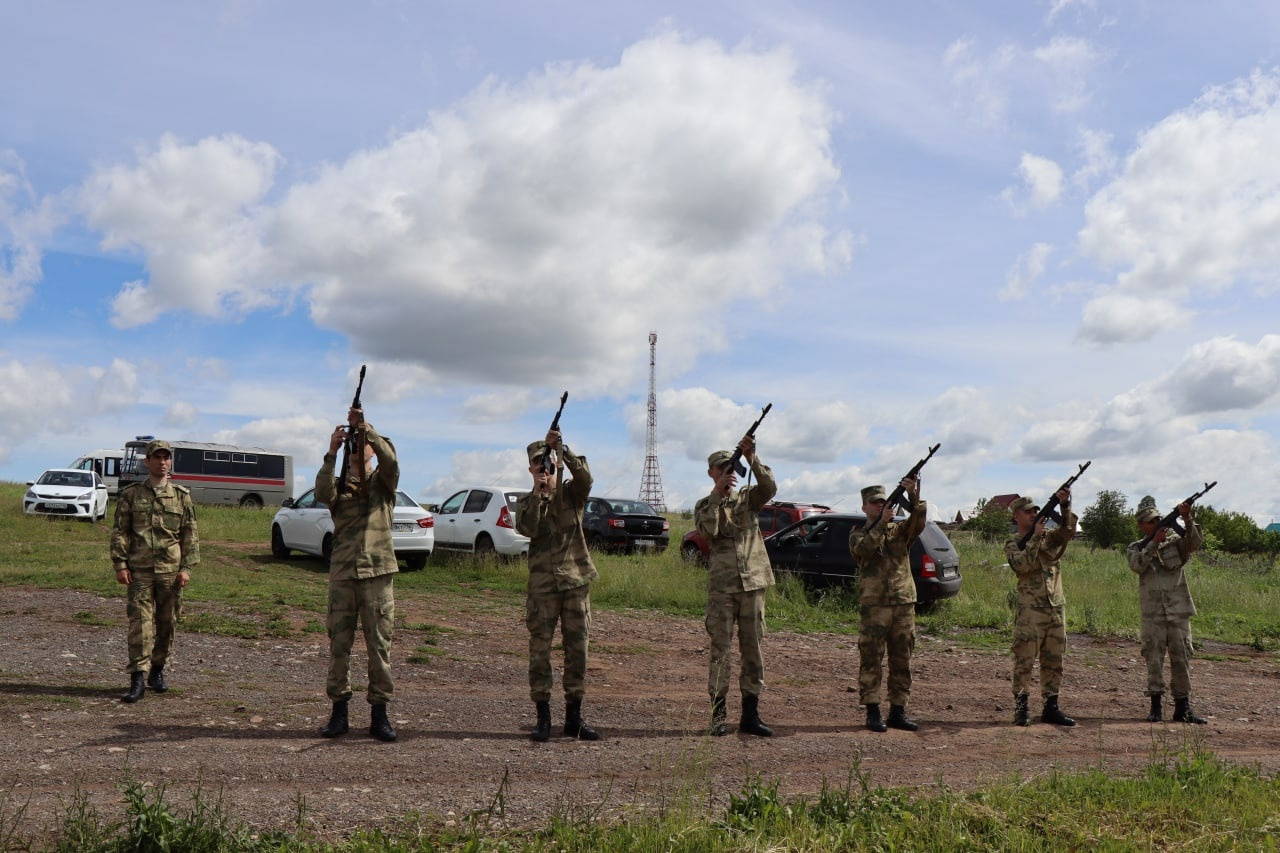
(1003, 501)
(1273, 526)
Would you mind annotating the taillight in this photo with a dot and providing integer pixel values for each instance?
(666, 525)
(427, 522)
(928, 568)
(504, 519)
(617, 522)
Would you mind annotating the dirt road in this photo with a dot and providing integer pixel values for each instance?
(242, 717)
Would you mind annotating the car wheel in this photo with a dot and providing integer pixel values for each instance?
(484, 545)
(326, 547)
(416, 563)
(251, 502)
(278, 549)
(691, 553)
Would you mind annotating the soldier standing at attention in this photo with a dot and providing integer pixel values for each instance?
(1041, 626)
(362, 567)
(738, 573)
(560, 576)
(1167, 607)
(888, 603)
(154, 544)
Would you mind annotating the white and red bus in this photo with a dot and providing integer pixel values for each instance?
(219, 473)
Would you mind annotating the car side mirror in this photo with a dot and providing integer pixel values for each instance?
(287, 502)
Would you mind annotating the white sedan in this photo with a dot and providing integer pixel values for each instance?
(67, 491)
(305, 525)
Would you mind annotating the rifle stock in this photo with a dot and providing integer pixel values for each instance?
(735, 461)
(1171, 520)
(898, 497)
(1050, 508)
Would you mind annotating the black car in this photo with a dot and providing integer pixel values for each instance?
(816, 550)
(624, 525)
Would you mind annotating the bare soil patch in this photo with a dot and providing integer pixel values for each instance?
(243, 716)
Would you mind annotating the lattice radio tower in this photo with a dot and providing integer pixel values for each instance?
(651, 481)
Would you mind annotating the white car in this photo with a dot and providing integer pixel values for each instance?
(67, 491)
(481, 519)
(305, 525)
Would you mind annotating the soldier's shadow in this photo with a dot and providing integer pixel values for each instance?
(85, 690)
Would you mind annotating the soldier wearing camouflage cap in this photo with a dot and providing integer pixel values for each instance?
(1167, 607)
(154, 545)
(738, 573)
(1040, 627)
(560, 576)
(888, 603)
(362, 569)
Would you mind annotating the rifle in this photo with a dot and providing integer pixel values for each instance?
(735, 461)
(899, 495)
(351, 442)
(545, 462)
(1171, 520)
(1050, 508)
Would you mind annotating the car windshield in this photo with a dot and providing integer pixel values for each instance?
(632, 508)
(83, 479)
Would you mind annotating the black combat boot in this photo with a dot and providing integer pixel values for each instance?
(751, 724)
(874, 722)
(137, 687)
(573, 724)
(379, 725)
(1020, 712)
(1157, 713)
(1053, 714)
(337, 721)
(1182, 712)
(156, 679)
(542, 730)
(718, 717)
(898, 719)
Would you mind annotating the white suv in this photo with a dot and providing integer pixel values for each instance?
(481, 519)
(305, 525)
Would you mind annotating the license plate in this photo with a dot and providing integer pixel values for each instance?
(402, 527)
(55, 505)
(644, 543)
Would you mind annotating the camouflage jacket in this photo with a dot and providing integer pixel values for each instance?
(1039, 575)
(558, 555)
(738, 562)
(884, 558)
(155, 529)
(1162, 585)
(362, 513)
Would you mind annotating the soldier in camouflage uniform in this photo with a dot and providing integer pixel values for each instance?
(154, 545)
(560, 576)
(1041, 627)
(888, 603)
(738, 573)
(1167, 607)
(362, 567)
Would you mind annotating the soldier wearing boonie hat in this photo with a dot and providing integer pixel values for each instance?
(1166, 606)
(560, 576)
(1040, 627)
(887, 624)
(154, 546)
(738, 573)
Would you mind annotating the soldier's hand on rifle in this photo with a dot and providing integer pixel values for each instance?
(1159, 535)
(725, 481)
(748, 447)
(911, 485)
(355, 416)
(338, 437)
(543, 483)
(1064, 497)
(1042, 525)
(1184, 510)
(553, 439)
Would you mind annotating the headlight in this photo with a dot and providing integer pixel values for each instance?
(31, 496)
(85, 496)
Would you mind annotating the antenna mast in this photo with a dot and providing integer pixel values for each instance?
(651, 480)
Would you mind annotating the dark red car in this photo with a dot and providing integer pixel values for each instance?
(774, 516)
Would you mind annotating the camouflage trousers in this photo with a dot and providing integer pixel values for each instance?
(891, 628)
(370, 602)
(746, 610)
(1042, 632)
(154, 608)
(1174, 636)
(572, 609)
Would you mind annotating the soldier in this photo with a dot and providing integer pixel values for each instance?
(888, 603)
(738, 573)
(1167, 607)
(1041, 626)
(362, 567)
(560, 576)
(154, 545)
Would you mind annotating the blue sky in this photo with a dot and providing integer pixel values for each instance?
(1036, 232)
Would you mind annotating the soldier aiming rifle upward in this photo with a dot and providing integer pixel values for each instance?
(899, 497)
(545, 462)
(1050, 508)
(1171, 520)
(354, 441)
